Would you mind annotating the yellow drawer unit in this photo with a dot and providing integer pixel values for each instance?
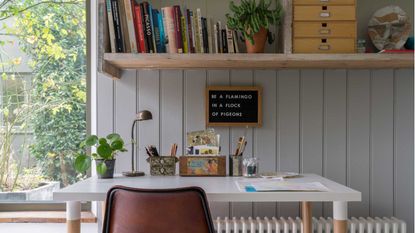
(317, 45)
(324, 26)
(325, 29)
(326, 13)
(324, 2)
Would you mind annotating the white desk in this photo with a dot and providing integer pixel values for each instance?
(218, 189)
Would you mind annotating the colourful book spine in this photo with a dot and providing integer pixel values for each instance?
(184, 37)
(162, 33)
(117, 27)
(153, 36)
(200, 30)
(110, 26)
(156, 28)
(229, 39)
(205, 35)
(139, 29)
(168, 15)
(192, 17)
(177, 27)
(215, 38)
(130, 26)
(137, 39)
(147, 27)
(190, 31)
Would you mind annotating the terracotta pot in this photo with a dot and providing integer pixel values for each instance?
(259, 42)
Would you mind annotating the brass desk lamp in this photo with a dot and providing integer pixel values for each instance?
(141, 116)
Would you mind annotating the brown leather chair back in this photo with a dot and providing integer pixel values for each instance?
(131, 210)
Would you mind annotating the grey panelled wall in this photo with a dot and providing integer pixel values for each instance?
(352, 126)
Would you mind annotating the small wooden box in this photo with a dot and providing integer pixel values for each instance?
(162, 165)
(202, 165)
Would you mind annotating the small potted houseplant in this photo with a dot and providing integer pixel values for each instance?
(253, 21)
(106, 151)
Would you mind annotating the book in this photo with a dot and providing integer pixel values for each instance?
(235, 41)
(224, 41)
(205, 35)
(190, 29)
(139, 29)
(215, 38)
(177, 28)
(229, 40)
(209, 35)
(162, 34)
(124, 27)
(184, 36)
(147, 27)
(156, 28)
(153, 36)
(199, 36)
(119, 42)
(130, 25)
(219, 35)
(168, 17)
(110, 26)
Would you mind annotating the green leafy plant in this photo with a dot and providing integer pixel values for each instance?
(106, 149)
(249, 17)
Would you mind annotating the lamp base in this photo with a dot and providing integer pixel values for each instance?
(133, 173)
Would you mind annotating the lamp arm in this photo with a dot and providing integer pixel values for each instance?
(132, 145)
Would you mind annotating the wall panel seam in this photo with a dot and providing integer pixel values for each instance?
(370, 143)
(394, 141)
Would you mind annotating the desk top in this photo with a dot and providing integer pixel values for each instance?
(218, 189)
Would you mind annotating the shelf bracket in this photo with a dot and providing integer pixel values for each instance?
(111, 70)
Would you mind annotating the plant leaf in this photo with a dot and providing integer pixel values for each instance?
(117, 145)
(82, 163)
(113, 136)
(104, 151)
(103, 141)
(101, 167)
(91, 140)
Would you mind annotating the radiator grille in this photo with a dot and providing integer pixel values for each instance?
(294, 225)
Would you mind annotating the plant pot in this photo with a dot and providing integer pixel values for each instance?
(259, 42)
(109, 173)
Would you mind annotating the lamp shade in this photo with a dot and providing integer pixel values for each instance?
(144, 115)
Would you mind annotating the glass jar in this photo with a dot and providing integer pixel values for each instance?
(250, 167)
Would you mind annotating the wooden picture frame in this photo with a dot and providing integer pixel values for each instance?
(256, 89)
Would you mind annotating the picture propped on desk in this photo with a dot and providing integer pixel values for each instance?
(233, 106)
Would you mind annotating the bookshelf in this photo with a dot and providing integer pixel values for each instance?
(116, 62)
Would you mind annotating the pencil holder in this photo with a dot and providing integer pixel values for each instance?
(162, 165)
(235, 165)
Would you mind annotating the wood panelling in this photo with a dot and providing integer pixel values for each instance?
(352, 126)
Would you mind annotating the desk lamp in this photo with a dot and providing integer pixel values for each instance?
(141, 116)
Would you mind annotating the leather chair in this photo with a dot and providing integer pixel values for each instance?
(182, 210)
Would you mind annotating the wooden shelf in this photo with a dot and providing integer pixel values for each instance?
(115, 62)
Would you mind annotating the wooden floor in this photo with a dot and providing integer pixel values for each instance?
(42, 217)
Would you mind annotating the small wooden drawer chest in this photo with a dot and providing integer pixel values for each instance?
(324, 26)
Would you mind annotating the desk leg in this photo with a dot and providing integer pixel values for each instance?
(306, 216)
(340, 216)
(73, 217)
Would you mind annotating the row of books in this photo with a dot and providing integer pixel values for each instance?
(136, 27)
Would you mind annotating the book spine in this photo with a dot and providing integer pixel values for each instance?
(220, 44)
(224, 41)
(205, 36)
(130, 26)
(139, 29)
(111, 29)
(143, 29)
(215, 38)
(200, 30)
(209, 35)
(229, 39)
(124, 28)
(235, 41)
(137, 39)
(153, 36)
(186, 30)
(147, 28)
(196, 33)
(156, 30)
(190, 29)
(177, 27)
(185, 45)
(170, 30)
(162, 33)
(117, 26)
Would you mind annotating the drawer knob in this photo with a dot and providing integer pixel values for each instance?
(324, 47)
(325, 31)
(324, 14)
(324, 0)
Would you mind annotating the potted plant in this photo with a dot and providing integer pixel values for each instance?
(254, 20)
(106, 151)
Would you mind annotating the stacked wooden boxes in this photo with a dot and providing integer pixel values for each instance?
(324, 26)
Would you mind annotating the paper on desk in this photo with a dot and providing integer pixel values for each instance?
(279, 186)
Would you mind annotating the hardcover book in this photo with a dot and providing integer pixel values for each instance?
(119, 42)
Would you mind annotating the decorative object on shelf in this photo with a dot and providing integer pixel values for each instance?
(410, 43)
(106, 151)
(250, 167)
(254, 20)
(202, 165)
(389, 28)
(324, 26)
(361, 46)
(141, 116)
(233, 106)
(162, 165)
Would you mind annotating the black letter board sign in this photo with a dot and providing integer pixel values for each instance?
(233, 106)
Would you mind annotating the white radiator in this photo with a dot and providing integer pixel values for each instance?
(322, 225)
